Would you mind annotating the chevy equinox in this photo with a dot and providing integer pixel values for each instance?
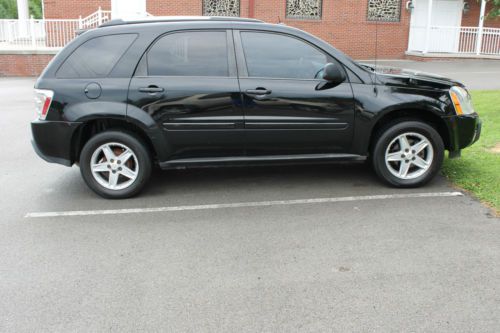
(183, 92)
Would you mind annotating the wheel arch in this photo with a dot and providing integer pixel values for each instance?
(94, 126)
(425, 116)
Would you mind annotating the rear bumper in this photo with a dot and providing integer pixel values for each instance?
(52, 140)
(464, 131)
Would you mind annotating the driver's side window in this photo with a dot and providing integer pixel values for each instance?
(272, 55)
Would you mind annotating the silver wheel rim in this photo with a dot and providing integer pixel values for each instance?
(409, 155)
(114, 166)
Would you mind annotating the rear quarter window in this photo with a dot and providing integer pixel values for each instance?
(95, 58)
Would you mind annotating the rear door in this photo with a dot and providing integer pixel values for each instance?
(187, 83)
(288, 108)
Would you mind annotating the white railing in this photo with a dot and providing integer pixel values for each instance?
(95, 19)
(467, 40)
(46, 34)
(459, 40)
(491, 41)
(36, 34)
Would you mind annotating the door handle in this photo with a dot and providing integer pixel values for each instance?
(151, 89)
(258, 91)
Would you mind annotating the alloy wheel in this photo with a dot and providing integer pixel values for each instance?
(409, 155)
(114, 166)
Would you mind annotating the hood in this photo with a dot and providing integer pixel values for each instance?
(394, 76)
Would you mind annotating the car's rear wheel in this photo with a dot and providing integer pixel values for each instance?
(115, 164)
(408, 154)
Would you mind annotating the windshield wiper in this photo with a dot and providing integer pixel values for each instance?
(367, 66)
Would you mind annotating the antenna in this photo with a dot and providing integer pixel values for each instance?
(376, 50)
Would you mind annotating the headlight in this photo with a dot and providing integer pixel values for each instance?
(461, 100)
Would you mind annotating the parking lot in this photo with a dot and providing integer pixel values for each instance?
(273, 249)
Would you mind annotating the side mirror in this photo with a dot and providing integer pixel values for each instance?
(333, 74)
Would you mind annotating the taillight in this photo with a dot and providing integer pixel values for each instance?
(43, 98)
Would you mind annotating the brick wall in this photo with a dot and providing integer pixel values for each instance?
(343, 22)
(23, 64)
(72, 9)
(174, 7)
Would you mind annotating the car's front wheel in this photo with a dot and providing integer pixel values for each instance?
(115, 164)
(408, 154)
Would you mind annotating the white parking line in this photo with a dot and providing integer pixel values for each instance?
(241, 204)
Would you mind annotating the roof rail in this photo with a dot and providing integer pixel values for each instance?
(151, 19)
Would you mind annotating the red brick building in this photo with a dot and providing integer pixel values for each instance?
(350, 25)
(364, 29)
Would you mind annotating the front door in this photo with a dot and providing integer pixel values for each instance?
(288, 109)
(187, 83)
(446, 17)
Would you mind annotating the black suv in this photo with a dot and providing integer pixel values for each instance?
(190, 92)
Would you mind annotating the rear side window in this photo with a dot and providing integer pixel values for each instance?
(193, 53)
(96, 57)
(277, 56)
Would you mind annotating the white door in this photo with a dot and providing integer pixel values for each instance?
(128, 9)
(446, 20)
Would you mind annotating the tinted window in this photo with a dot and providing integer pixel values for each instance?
(279, 56)
(189, 54)
(96, 57)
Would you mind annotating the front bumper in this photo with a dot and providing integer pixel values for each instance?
(52, 140)
(464, 131)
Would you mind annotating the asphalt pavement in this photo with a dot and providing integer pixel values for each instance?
(264, 249)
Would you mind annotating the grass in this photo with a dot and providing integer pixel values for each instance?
(478, 170)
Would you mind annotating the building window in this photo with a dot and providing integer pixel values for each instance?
(384, 10)
(304, 9)
(221, 7)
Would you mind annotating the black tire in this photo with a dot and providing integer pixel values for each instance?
(135, 144)
(389, 133)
